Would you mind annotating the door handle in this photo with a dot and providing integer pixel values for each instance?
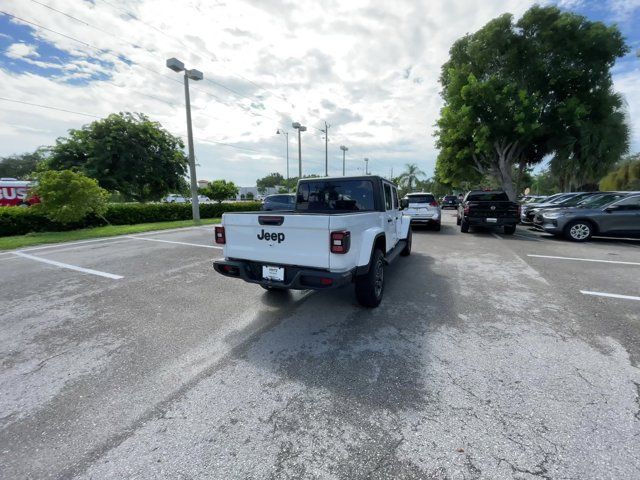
(389, 220)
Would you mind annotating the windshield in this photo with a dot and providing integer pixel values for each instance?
(335, 195)
(601, 200)
(575, 200)
(420, 199)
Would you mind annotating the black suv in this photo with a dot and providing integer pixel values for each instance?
(449, 201)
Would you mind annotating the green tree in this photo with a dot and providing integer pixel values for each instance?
(410, 176)
(220, 190)
(270, 181)
(625, 177)
(250, 196)
(127, 153)
(21, 166)
(67, 196)
(516, 92)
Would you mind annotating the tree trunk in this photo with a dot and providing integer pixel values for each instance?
(506, 154)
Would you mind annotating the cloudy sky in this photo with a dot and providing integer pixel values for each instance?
(368, 68)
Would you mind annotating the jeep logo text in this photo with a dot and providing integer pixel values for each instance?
(270, 237)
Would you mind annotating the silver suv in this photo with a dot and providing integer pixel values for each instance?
(423, 208)
(611, 214)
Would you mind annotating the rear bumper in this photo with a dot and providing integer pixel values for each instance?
(432, 219)
(500, 222)
(296, 278)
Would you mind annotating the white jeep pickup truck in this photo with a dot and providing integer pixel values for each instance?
(343, 230)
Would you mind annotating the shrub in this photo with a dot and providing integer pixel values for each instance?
(68, 196)
(20, 221)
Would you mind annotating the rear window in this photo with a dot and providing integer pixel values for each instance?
(420, 198)
(488, 197)
(336, 195)
(450, 197)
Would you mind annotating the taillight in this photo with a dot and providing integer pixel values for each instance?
(434, 204)
(220, 237)
(466, 209)
(340, 242)
(519, 210)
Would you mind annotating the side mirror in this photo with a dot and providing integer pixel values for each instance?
(404, 204)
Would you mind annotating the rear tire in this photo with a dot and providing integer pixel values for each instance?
(457, 220)
(406, 251)
(464, 226)
(578, 231)
(437, 227)
(509, 229)
(370, 286)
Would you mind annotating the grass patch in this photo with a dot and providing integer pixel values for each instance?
(30, 239)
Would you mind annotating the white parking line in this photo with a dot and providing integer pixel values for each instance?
(172, 241)
(585, 259)
(496, 235)
(610, 295)
(68, 266)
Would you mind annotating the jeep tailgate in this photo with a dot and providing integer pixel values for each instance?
(278, 238)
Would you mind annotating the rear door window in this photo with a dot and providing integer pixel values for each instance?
(421, 198)
(335, 196)
(388, 203)
(488, 197)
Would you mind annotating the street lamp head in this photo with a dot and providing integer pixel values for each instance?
(296, 125)
(303, 128)
(175, 65)
(194, 74)
(343, 148)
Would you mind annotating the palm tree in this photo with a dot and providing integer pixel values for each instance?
(410, 176)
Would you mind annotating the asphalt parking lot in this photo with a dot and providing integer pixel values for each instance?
(130, 358)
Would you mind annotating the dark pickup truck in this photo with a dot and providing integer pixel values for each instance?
(488, 209)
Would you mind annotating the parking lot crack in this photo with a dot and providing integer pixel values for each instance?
(539, 470)
(42, 363)
(637, 414)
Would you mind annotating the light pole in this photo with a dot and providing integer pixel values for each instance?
(344, 150)
(193, 74)
(286, 135)
(300, 128)
(366, 166)
(326, 148)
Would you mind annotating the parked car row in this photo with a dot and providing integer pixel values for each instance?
(615, 214)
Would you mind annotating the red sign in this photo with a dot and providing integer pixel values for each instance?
(16, 192)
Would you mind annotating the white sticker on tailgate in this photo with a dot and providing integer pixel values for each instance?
(273, 273)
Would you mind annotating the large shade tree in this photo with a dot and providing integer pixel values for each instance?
(517, 92)
(127, 153)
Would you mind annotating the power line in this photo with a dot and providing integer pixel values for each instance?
(47, 107)
(134, 17)
(101, 50)
(58, 109)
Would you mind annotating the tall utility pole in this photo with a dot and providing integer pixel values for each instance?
(344, 150)
(366, 166)
(286, 135)
(326, 148)
(300, 128)
(193, 74)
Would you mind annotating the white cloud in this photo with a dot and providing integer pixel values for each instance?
(21, 51)
(369, 68)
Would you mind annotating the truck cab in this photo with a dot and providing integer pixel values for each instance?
(343, 230)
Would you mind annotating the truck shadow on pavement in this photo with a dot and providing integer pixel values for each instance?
(350, 376)
(368, 357)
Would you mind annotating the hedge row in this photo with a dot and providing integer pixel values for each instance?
(19, 221)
